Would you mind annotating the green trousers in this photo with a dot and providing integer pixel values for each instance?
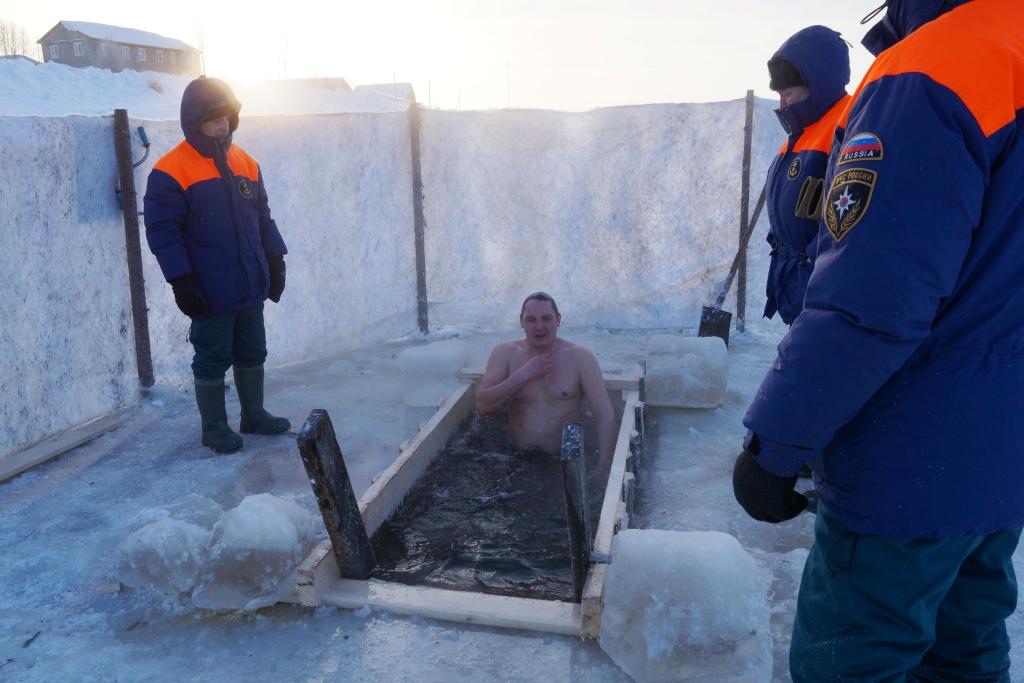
(220, 341)
(882, 610)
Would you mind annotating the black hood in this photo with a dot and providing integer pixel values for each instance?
(204, 99)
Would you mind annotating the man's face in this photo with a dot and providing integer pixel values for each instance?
(540, 322)
(790, 96)
(216, 128)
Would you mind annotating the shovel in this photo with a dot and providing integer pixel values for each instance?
(714, 322)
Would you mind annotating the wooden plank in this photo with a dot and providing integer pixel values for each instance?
(614, 490)
(592, 602)
(612, 382)
(574, 485)
(548, 616)
(325, 466)
(385, 494)
(57, 444)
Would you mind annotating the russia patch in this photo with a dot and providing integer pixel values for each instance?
(794, 168)
(848, 201)
(862, 147)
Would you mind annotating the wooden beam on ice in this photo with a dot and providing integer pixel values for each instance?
(574, 482)
(332, 487)
(58, 444)
(531, 614)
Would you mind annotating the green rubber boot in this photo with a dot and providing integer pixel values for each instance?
(256, 420)
(216, 433)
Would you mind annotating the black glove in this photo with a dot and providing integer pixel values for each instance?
(188, 297)
(276, 278)
(765, 496)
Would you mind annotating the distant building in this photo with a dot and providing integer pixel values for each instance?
(82, 44)
(399, 91)
(324, 82)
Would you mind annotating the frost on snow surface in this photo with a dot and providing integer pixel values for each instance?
(684, 606)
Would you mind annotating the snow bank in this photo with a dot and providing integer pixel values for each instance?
(686, 606)
(52, 89)
(628, 216)
(66, 331)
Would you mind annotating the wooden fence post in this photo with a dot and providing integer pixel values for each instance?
(419, 221)
(741, 281)
(133, 247)
(321, 456)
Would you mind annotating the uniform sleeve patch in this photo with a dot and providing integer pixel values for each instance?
(794, 169)
(848, 200)
(862, 147)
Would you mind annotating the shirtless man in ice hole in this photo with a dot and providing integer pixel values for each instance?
(544, 380)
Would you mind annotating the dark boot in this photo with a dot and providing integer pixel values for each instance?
(216, 433)
(256, 420)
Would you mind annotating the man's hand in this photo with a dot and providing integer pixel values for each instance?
(188, 297)
(765, 496)
(538, 366)
(277, 272)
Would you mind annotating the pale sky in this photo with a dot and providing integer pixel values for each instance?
(485, 54)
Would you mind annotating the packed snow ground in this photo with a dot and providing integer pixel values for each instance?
(63, 618)
(51, 89)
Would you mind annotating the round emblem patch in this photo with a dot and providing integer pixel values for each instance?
(794, 168)
(244, 188)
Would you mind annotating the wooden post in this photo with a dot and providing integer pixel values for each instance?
(321, 456)
(741, 283)
(133, 247)
(574, 481)
(419, 222)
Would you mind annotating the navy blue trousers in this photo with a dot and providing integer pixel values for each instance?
(882, 610)
(220, 341)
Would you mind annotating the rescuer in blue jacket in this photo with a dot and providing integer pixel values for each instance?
(902, 381)
(208, 223)
(810, 72)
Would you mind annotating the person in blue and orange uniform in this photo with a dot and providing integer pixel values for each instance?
(810, 72)
(902, 381)
(208, 223)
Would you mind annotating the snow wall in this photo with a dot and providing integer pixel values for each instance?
(629, 216)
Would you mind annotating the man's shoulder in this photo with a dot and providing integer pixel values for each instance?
(242, 163)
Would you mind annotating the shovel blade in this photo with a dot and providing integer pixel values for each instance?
(714, 322)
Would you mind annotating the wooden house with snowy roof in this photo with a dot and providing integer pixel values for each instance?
(83, 43)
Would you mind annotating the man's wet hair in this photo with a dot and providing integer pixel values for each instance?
(539, 296)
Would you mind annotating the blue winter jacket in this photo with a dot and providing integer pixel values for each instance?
(796, 174)
(206, 208)
(905, 371)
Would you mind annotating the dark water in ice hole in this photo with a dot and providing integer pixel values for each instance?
(487, 518)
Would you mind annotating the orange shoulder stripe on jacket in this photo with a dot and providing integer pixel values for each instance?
(243, 164)
(187, 166)
(974, 50)
(818, 136)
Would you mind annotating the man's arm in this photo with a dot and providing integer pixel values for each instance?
(497, 384)
(166, 211)
(592, 382)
